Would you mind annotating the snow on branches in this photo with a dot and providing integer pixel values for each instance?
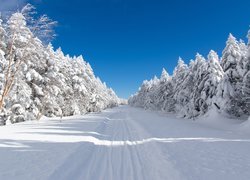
(196, 88)
(37, 81)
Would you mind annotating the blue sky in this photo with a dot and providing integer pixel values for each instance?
(127, 41)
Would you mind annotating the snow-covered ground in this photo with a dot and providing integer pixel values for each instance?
(125, 143)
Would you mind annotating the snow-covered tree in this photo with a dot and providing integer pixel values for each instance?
(164, 76)
(231, 84)
(246, 76)
(212, 77)
(165, 92)
(18, 38)
(180, 73)
(205, 84)
(179, 76)
(3, 64)
(37, 81)
(3, 36)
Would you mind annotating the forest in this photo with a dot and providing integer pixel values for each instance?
(217, 83)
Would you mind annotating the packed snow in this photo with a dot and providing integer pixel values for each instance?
(125, 143)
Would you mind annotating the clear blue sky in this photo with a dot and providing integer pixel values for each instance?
(127, 41)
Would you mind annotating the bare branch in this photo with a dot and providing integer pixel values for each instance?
(42, 27)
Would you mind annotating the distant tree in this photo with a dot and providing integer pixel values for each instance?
(164, 76)
(164, 91)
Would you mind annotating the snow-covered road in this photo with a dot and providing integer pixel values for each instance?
(123, 143)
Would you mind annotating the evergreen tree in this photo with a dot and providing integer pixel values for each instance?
(164, 76)
(37, 81)
(212, 78)
(164, 91)
(232, 81)
(193, 90)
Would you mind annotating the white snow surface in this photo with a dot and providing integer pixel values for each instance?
(125, 143)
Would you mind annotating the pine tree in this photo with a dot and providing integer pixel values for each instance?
(195, 89)
(191, 87)
(179, 75)
(164, 76)
(246, 77)
(231, 85)
(37, 81)
(211, 80)
(165, 93)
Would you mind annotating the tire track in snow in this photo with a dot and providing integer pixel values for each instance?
(136, 161)
(150, 155)
(123, 162)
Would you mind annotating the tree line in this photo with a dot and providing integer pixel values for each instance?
(206, 83)
(36, 80)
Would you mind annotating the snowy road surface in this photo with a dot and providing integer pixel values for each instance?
(123, 143)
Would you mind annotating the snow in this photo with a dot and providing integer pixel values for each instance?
(192, 90)
(125, 143)
(41, 80)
